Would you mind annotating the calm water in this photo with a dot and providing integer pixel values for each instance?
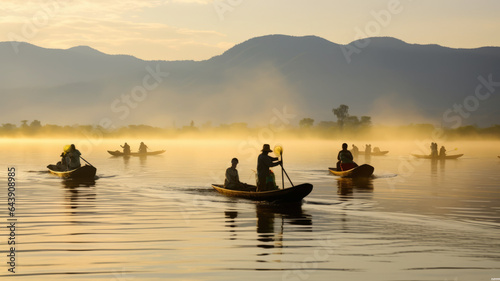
(158, 218)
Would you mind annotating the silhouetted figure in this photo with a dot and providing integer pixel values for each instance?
(442, 152)
(143, 148)
(368, 149)
(354, 150)
(73, 158)
(63, 164)
(434, 150)
(265, 177)
(376, 149)
(126, 148)
(345, 159)
(232, 180)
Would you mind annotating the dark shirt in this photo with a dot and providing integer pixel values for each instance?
(345, 156)
(232, 178)
(264, 162)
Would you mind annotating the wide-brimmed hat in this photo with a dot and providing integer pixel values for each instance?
(266, 148)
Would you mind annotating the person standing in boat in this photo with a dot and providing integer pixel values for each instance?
(368, 149)
(345, 159)
(73, 158)
(265, 177)
(354, 151)
(126, 149)
(232, 180)
(143, 148)
(434, 150)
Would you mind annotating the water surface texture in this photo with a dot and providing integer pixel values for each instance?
(158, 218)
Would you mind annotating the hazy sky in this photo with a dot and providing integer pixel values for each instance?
(200, 29)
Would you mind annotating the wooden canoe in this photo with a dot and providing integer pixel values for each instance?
(379, 153)
(438, 157)
(363, 171)
(84, 172)
(120, 153)
(287, 195)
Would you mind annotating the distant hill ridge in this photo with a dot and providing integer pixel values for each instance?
(311, 75)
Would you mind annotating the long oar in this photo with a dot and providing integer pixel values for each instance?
(279, 150)
(86, 161)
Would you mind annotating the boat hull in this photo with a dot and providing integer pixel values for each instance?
(437, 157)
(119, 153)
(84, 172)
(288, 195)
(363, 171)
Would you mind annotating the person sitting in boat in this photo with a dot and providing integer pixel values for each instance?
(442, 152)
(232, 180)
(143, 148)
(265, 177)
(63, 164)
(376, 149)
(73, 158)
(126, 148)
(345, 159)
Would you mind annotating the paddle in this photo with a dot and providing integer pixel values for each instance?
(278, 150)
(86, 161)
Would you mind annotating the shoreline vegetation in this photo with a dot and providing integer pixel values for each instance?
(323, 130)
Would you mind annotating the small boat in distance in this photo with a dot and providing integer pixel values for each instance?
(83, 172)
(288, 195)
(438, 157)
(120, 153)
(363, 171)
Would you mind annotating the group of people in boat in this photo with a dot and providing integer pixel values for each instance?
(434, 150)
(142, 148)
(265, 177)
(368, 150)
(70, 158)
(266, 180)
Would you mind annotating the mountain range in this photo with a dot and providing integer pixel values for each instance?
(255, 81)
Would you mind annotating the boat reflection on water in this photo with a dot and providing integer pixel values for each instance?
(434, 166)
(272, 222)
(348, 186)
(231, 223)
(79, 193)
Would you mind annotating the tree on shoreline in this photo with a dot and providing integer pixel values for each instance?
(342, 112)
